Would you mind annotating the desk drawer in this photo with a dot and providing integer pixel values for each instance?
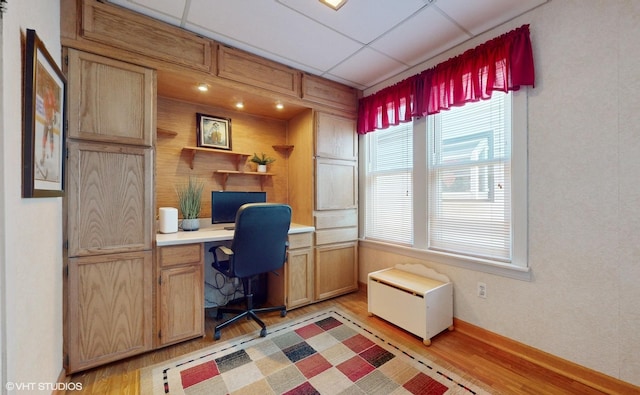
(180, 254)
(336, 219)
(300, 240)
(338, 235)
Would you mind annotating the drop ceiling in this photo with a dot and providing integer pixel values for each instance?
(362, 44)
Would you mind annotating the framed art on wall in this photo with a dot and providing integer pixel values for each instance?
(213, 132)
(43, 112)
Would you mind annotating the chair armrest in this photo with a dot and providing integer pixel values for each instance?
(223, 266)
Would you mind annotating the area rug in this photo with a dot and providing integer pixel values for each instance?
(326, 352)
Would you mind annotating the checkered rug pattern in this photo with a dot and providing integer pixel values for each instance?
(326, 352)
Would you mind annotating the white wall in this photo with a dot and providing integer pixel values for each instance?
(31, 229)
(584, 194)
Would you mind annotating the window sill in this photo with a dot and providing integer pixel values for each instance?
(480, 265)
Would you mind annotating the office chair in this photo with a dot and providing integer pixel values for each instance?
(259, 246)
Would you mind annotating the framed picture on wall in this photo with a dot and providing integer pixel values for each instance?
(43, 112)
(213, 132)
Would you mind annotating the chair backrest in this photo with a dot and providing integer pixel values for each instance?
(260, 238)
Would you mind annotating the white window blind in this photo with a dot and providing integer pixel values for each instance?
(469, 180)
(389, 189)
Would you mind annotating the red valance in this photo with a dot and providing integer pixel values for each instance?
(502, 64)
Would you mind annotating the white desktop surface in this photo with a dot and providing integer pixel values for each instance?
(212, 233)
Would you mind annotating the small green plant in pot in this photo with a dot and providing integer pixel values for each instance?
(189, 198)
(262, 161)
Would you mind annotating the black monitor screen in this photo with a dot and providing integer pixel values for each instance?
(225, 204)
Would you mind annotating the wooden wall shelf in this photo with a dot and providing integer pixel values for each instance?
(166, 133)
(226, 173)
(286, 148)
(192, 151)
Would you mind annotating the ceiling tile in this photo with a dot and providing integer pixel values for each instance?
(367, 67)
(362, 20)
(480, 16)
(273, 28)
(422, 37)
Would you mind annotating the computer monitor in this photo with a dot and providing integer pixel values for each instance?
(225, 204)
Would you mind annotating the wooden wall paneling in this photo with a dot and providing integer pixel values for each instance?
(301, 184)
(69, 22)
(140, 34)
(249, 134)
(247, 68)
(178, 76)
(330, 93)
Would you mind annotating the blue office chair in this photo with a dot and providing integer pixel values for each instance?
(259, 246)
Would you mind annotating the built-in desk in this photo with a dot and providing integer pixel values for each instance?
(212, 233)
(180, 262)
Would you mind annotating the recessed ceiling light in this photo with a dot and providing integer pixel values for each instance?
(335, 4)
(239, 104)
(203, 87)
(279, 106)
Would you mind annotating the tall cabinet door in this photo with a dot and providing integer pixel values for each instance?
(110, 100)
(110, 198)
(110, 311)
(336, 206)
(110, 211)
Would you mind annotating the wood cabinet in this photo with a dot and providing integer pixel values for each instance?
(109, 201)
(98, 109)
(336, 255)
(180, 293)
(330, 93)
(114, 26)
(336, 184)
(336, 202)
(110, 198)
(110, 211)
(109, 308)
(247, 68)
(335, 137)
(293, 285)
(336, 269)
(332, 143)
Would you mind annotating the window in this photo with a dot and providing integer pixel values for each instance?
(389, 185)
(460, 194)
(469, 180)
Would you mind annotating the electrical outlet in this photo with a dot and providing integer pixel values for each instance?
(482, 290)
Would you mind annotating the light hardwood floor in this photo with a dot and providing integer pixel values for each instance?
(501, 372)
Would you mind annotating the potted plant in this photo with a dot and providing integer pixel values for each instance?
(189, 196)
(262, 161)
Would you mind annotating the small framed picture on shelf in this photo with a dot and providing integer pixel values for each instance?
(43, 115)
(213, 132)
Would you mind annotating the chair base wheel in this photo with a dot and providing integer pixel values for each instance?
(263, 332)
(283, 313)
(216, 335)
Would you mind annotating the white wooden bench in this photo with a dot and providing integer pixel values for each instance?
(413, 297)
